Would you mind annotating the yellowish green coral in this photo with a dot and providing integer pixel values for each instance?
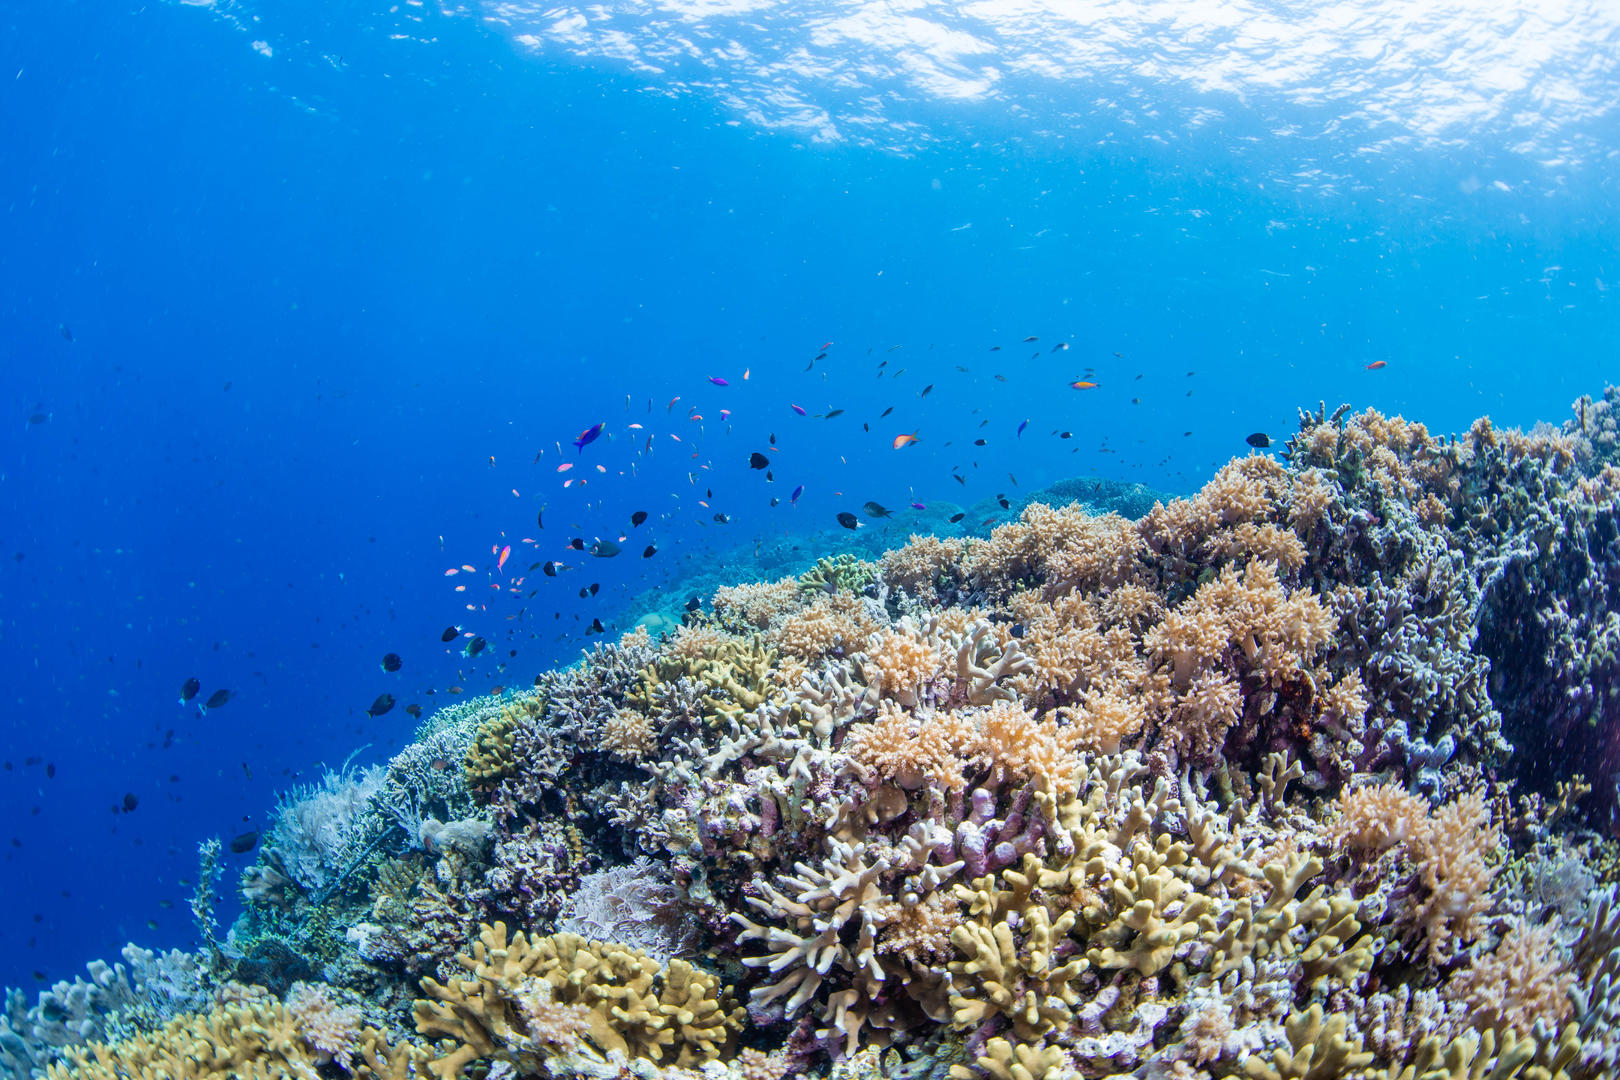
(631, 1004)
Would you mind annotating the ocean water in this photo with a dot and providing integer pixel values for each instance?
(302, 307)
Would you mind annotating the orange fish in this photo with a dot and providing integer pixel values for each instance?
(506, 553)
(1376, 364)
(904, 440)
(1083, 385)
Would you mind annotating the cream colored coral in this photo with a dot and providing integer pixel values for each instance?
(1525, 981)
(333, 1030)
(1456, 856)
(1378, 817)
(628, 734)
(756, 605)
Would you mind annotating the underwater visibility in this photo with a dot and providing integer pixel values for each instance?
(850, 540)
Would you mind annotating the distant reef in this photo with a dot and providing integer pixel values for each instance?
(1308, 776)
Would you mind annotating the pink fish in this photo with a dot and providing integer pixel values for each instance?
(796, 409)
(725, 414)
(506, 553)
(718, 381)
(918, 506)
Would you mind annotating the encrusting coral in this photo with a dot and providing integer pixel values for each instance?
(1308, 776)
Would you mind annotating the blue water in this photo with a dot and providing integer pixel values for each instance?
(329, 296)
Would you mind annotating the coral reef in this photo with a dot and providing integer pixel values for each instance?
(1308, 776)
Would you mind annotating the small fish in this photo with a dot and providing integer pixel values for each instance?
(797, 409)
(604, 549)
(866, 427)
(904, 440)
(576, 543)
(383, 704)
(596, 627)
(926, 390)
(216, 699)
(415, 711)
(391, 663)
(770, 478)
(450, 633)
(721, 519)
(1065, 434)
(243, 843)
(189, 688)
(62, 328)
(757, 460)
(1021, 427)
(131, 801)
(648, 552)
(718, 381)
(848, 520)
(1082, 384)
(775, 501)
(500, 561)
(878, 510)
(474, 647)
(1376, 364)
(886, 412)
(593, 587)
(959, 478)
(38, 418)
(694, 604)
(832, 413)
(637, 518)
(1031, 338)
(584, 592)
(1002, 499)
(794, 498)
(918, 506)
(1259, 439)
(550, 568)
(540, 518)
(954, 518)
(1061, 346)
(978, 442)
(591, 434)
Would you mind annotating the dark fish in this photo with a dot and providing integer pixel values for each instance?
(131, 801)
(637, 518)
(1031, 338)
(886, 412)
(866, 427)
(995, 348)
(595, 627)
(415, 711)
(694, 604)
(978, 442)
(954, 518)
(450, 633)
(757, 460)
(1061, 346)
(1259, 439)
(38, 418)
(720, 518)
(583, 592)
(769, 477)
(959, 478)
(926, 390)
(832, 413)
(1016, 630)
(773, 438)
(383, 703)
(62, 328)
(1065, 434)
(1002, 499)
(1001, 378)
(189, 688)
(593, 587)
(540, 518)
(775, 501)
(590, 435)
(474, 647)
(216, 699)
(794, 498)
(848, 520)
(604, 549)
(244, 842)
(648, 552)
(391, 663)
(550, 569)
(878, 510)
(576, 544)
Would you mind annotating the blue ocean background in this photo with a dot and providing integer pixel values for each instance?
(302, 306)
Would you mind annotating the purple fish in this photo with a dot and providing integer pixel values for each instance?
(718, 381)
(918, 506)
(794, 498)
(796, 409)
(1021, 428)
(590, 435)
